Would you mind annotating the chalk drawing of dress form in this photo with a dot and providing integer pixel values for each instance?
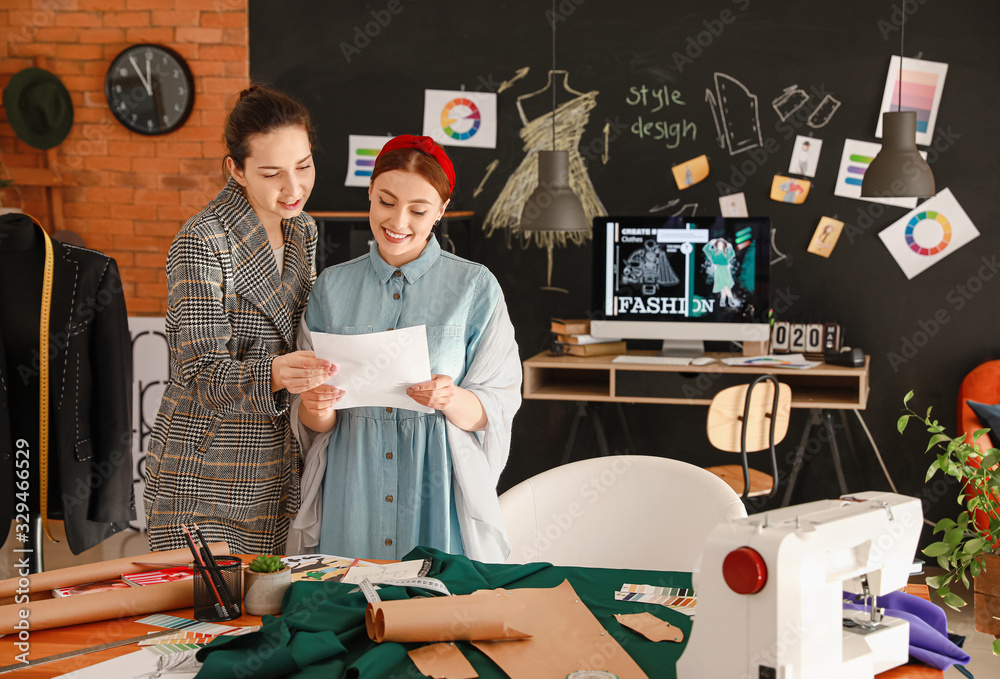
(570, 119)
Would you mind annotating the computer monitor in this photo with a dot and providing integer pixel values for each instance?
(683, 280)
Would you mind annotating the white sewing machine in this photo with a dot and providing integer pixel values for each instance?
(770, 591)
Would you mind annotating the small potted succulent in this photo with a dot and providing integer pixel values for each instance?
(264, 585)
(970, 542)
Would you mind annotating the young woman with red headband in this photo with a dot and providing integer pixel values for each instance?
(377, 482)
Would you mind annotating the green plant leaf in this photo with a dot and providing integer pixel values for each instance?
(936, 439)
(943, 562)
(944, 524)
(937, 549)
(906, 399)
(954, 536)
(901, 423)
(954, 601)
(935, 465)
(979, 432)
(937, 581)
(996, 647)
(965, 580)
(975, 568)
(974, 546)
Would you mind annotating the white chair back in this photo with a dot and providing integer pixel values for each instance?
(620, 511)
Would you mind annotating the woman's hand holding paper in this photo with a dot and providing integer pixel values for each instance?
(300, 371)
(321, 400)
(461, 407)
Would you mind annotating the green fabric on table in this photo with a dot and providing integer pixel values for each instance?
(321, 632)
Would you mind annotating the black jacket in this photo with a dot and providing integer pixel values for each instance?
(90, 402)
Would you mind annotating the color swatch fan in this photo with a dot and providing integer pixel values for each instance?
(931, 232)
(922, 84)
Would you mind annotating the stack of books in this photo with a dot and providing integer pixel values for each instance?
(573, 336)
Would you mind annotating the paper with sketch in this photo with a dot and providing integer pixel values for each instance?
(375, 369)
(393, 571)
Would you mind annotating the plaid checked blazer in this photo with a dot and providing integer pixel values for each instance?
(221, 453)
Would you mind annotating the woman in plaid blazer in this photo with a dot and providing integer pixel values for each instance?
(221, 454)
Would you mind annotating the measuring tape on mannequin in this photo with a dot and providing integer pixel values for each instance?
(43, 382)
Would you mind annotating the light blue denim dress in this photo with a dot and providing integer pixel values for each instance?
(388, 483)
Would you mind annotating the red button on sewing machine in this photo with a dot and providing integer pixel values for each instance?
(745, 571)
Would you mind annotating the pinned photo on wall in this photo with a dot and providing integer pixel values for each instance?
(825, 237)
(805, 156)
(789, 189)
(924, 236)
(854, 162)
(690, 172)
(459, 118)
(922, 84)
(361, 153)
(733, 205)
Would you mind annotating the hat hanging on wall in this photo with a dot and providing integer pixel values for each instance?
(38, 107)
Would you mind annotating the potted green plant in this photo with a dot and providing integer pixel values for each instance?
(265, 584)
(970, 542)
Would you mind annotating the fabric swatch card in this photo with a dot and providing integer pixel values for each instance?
(919, 91)
(362, 150)
(924, 236)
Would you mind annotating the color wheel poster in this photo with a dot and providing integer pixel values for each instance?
(361, 154)
(455, 118)
(923, 82)
(928, 234)
(858, 155)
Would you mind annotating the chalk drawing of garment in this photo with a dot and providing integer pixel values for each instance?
(570, 119)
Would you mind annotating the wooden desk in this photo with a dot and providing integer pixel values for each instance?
(60, 640)
(597, 378)
(594, 379)
(51, 642)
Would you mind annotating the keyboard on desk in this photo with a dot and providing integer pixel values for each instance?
(652, 360)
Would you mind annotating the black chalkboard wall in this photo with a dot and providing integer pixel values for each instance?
(362, 68)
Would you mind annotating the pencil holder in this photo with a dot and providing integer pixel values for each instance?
(218, 591)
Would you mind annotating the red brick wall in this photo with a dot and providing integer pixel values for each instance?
(127, 194)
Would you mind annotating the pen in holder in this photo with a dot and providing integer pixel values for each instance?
(218, 590)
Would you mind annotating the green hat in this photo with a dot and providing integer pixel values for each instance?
(38, 107)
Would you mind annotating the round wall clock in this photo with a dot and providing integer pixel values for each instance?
(150, 89)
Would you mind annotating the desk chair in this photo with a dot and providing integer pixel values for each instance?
(982, 385)
(744, 420)
(618, 511)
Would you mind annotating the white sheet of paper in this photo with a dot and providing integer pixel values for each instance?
(375, 369)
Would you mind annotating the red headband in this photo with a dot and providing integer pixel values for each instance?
(427, 145)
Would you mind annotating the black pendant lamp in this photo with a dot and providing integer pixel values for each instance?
(898, 171)
(553, 206)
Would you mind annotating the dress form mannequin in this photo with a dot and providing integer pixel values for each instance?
(22, 260)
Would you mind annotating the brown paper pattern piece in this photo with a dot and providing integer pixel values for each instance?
(442, 661)
(651, 627)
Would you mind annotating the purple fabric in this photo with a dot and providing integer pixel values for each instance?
(929, 641)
